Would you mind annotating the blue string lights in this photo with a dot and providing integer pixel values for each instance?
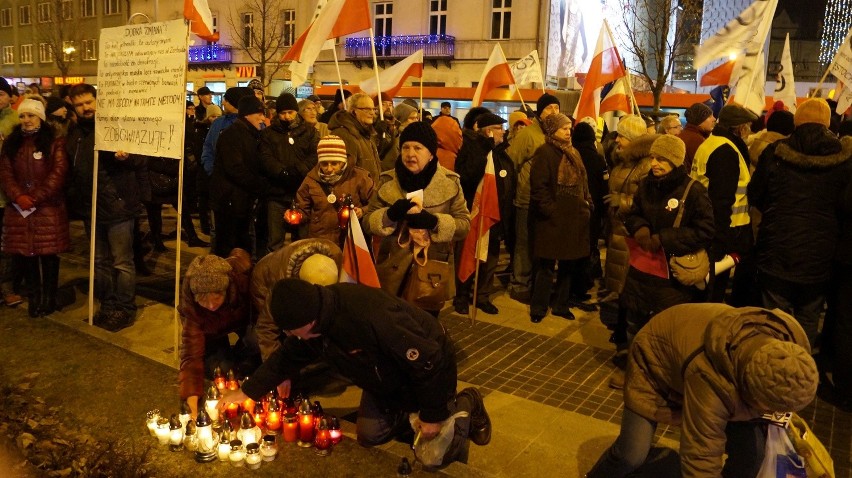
(212, 53)
(838, 20)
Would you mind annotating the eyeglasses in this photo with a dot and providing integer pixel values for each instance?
(365, 108)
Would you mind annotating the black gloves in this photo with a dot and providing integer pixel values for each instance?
(646, 240)
(422, 220)
(397, 211)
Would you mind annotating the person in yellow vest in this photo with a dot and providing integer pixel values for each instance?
(721, 165)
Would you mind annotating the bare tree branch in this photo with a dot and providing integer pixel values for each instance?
(264, 43)
(61, 28)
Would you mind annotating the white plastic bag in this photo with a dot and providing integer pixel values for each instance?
(781, 459)
(431, 452)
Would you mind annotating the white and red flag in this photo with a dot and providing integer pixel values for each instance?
(497, 73)
(485, 212)
(201, 20)
(358, 266)
(335, 19)
(618, 97)
(394, 77)
(721, 75)
(606, 67)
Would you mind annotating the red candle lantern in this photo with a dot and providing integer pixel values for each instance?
(248, 405)
(289, 406)
(322, 440)
(291, 428)
(306, 425)
(344, 212)
(273, 417)
(293, 216)
(219, 379)
(259, 414)
(232, 384)
(334, 430)
(318, 412)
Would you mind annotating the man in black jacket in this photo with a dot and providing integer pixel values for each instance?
(398, 354)
(122, 187)
(236, 183)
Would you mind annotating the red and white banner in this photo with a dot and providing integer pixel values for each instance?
(394, 77)
(618, 98)
(606, 67)
(358, 266)
(721, 75)
(485, 211)
(201, 20)
(497, 73)
(337, 18)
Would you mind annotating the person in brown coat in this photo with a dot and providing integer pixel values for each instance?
(560, 207)
(356, 129)
(712, 370)
(33, 168)
(699, 123)
(214, 302)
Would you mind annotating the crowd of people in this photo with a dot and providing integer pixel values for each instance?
(772, 194)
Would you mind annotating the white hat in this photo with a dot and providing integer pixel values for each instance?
(32, 106)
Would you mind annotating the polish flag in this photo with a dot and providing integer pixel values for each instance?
(721, 75)
(394, 77)
(485, 211)
(606, 67)
(198, 13)
(358, 266)
(337, 18)
(497, 73)
(618, 98)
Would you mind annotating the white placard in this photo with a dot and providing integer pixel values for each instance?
(142, 89)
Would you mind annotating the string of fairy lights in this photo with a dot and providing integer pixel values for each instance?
(838, 19)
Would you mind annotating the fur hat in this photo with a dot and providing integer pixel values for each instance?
(250, 105)
(553, 122)
(286, 102)
(294, 303)
(544, 101)
(697, 113)
(4, 86)
(319, 269)
(781, 122)
(813, 110)
(208, 274)
(779, 375)
(631, 127)
(235, 93)
(488, 119)
(55, 103)
(734, 115)
(402, 112)
(516, 116)
(32, 106)
(421, 132)
(670, 148)
(331, 148)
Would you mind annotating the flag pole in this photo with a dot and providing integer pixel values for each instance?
(821, 80)
(181, 178)
(626, 71)
(339, 76)
(476, 260)
(93, 240)
(523, 105)
(351, 238)
(376, 70)
(421, 97)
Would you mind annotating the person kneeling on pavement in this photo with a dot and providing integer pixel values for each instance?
(215, 302)
(398, 354)
(713, 370)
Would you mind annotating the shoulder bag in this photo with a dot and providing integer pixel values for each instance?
(690, 269)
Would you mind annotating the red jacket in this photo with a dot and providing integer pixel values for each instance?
(200, 324)
(692, 137)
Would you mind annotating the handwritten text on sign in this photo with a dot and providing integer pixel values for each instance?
(141, 89)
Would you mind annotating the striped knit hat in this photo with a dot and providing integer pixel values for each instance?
(331, 148)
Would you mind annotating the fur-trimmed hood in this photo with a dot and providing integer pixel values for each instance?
(812, 146)
(637, 149)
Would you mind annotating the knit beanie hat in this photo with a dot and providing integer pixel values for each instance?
(780, 375)
(4, 86)
(54, 103)
(331, 148)
(286, 102)
(516, 116)
(319, 269)
(294, 303)
(32, 106)
(235, 93)
(421, 132)
(488, 119)
(544, 101)
(670, 148)
(583, 132)
(255, 84)
(250, 105)
(781, 122)
(697, 113)
(734, 115)
(208, 274)
(813, 110)
(631, 127)
(552, 123)
(403, 111)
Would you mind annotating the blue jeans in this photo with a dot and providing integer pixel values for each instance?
(115, 272)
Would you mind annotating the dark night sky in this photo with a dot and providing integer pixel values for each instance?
(809, 19)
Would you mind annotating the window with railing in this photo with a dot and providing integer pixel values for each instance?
(43, 12)
(45, 53)
(248, 30)
(383, 23)
(435, 47)
(24, 15)
(90, 49)
(87, 8)
(288, 32)
(215, 26)
(68, 50)
(27, 53)
(212, 53)
(501, 19)
(8, 55)
(438, 17)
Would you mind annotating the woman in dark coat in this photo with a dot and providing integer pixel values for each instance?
(650, 220)
(33, 168)
(560, 207)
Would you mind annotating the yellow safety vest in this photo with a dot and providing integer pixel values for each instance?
(739, 211)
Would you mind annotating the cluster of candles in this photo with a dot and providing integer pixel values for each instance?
(246, 433)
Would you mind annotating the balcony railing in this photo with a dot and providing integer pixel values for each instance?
(209, 54)
(435, 47)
